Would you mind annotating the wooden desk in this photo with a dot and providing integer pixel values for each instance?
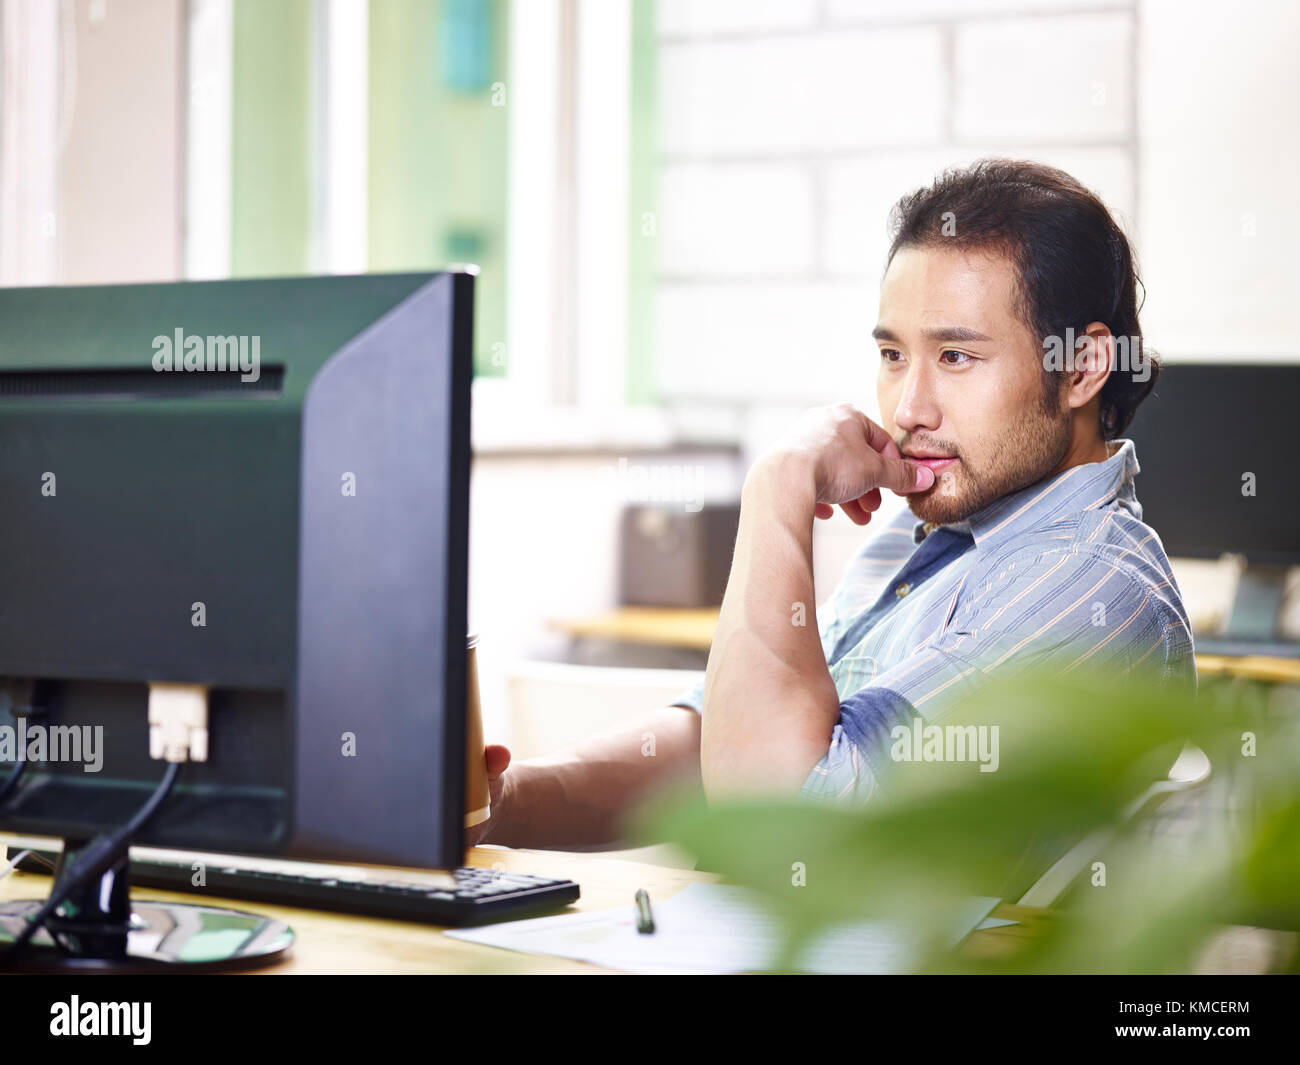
(693, 630)
(1250, 667)
(337, 943)
(656, 626)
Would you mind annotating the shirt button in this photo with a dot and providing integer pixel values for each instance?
(902, 590)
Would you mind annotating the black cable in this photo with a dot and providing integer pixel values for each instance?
(100, 855)
(20, 767)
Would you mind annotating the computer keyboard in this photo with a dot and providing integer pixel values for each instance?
(479, 896)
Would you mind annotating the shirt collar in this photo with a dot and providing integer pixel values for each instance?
(1091, 486)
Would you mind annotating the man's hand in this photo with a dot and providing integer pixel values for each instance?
(579, 799)
(497, 760)
(849, 458)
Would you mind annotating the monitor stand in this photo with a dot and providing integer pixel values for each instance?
(99, 929)
(1254, 624)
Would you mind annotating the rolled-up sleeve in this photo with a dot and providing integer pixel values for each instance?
(840, 776)
(851, 769)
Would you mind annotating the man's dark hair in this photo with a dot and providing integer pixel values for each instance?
(1075, 264)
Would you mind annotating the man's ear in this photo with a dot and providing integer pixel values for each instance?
(1094, 357)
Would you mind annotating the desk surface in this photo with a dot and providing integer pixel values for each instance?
(659, 626)
(338, 943)
(693, 629)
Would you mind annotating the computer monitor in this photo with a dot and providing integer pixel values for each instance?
(259, 490)
(1217, 477)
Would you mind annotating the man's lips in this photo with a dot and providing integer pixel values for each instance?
(937, 463)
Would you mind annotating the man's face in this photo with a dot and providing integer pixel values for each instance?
(961, 381)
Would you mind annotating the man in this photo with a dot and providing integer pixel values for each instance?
(1010, 361)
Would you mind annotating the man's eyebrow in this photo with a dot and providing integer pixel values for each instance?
(951, 334)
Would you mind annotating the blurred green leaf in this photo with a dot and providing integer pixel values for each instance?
(1074, 754)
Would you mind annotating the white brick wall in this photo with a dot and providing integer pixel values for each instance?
(858, 195)
(801, 342)
(736, 219)
(789, 129)
(690, 17)
(790, 95)
(1219, 152)
(1048, 80)
(884, 11)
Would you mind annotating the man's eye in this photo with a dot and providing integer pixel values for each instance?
(891, 355)
(960, 358)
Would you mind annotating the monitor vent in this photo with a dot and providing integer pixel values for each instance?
(138, 384)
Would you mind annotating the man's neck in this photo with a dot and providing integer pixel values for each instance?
(1085, 448)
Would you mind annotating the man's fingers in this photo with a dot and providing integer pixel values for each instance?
(903, 477)
(855, 512)
(497, 759)
(876, 436)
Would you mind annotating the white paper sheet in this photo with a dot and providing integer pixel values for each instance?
(994, 922)
(709, 928)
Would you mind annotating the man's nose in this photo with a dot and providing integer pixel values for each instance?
(917, 408)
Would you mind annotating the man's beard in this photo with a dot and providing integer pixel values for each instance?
(1030, 451)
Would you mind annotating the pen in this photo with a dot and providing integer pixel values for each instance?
(645, 921)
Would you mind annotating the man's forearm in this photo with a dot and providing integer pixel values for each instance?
(579, 799)
(770, 704)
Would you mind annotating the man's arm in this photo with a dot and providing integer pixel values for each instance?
(770, 705)
(577, 799)
(770, 701)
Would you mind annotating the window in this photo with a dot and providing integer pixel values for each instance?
(341, 135)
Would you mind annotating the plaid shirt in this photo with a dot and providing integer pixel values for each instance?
(923, 612)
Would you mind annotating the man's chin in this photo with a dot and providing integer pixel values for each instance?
(938, 508)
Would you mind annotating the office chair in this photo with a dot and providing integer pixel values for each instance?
(1189, 772)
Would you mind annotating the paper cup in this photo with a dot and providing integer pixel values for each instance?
(478, 796)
